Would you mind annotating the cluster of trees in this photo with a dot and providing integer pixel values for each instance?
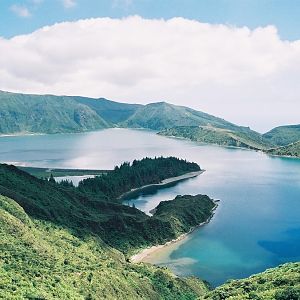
(141, 172)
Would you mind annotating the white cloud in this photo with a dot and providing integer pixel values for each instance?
(21, 11)
(69, 3)
(251, 77)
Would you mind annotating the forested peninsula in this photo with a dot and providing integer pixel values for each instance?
(62, 242)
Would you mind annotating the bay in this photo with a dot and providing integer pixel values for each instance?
(257, 223)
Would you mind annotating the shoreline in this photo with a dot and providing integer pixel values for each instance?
(164, 182)
(145, 253)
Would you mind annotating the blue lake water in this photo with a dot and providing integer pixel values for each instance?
(257, 223)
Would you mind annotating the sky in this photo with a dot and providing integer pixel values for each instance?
(237, 59)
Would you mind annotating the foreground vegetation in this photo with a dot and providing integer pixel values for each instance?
(281, 283)
(40, 260)
(60, 242)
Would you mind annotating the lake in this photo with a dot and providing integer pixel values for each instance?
(257, 223)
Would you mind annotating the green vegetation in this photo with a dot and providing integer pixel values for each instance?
(242, 137)
(283, 135)
(281, 283)
(130, 176)
(46, 172)
(59, 242)
(112, 112)
(21, 113)
(40, 260)
(162, 115)
(292, 150)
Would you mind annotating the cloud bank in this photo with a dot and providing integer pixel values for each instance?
(250, 77)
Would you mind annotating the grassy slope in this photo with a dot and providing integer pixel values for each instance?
(39, 260)
(207, 134)
(281, 283)
(21, 113)
(161, 115)
(112, 222)
(111, 111)
(289, 150)
(283, 135)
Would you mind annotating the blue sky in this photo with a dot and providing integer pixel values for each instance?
(241, 69)
(24, 16)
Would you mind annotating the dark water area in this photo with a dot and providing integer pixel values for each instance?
(257, 223)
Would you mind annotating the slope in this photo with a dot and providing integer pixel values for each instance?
(217, 136)
(281, 283)
(292, 150)
(40, 260)
(20, 113)
(111, 111)
(162, 115)
(283, 135)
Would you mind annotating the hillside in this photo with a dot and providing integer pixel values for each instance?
(281, 283)
(111, 111)
(283, 135)
(85, 212)
(40, 260)
(20, 113)
(289, 150)
(224, 137)
(59, 243)
(162, 115)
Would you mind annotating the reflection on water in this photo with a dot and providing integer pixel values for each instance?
(256, 225)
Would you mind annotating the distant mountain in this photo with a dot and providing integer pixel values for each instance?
(283, 135)
(240, 137)
(111, 111)
(289, 150)
(20, 113)
(162, 115)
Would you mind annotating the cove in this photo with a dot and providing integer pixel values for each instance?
(256, 225)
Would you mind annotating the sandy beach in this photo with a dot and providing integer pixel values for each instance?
(142, 255)
(165, 182)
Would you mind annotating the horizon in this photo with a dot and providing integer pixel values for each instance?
(153, 102)
(204, 56)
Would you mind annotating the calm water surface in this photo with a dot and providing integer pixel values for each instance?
(257, 223)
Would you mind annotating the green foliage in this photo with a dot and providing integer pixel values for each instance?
(130, 176)
(289, 150)
(281, 283)
(123, 227)
(40, 260)
(112, 112)
(283, 135)
(237, 137)
(162, 115)
(20, 113)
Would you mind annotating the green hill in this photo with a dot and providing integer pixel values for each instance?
(240, 137)
(111, 111)
(289, 150)
(40, 260)
(59, 243)
(162, 115)
(20, 113)
(281, 283)
(283, 135)
(83, 211)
